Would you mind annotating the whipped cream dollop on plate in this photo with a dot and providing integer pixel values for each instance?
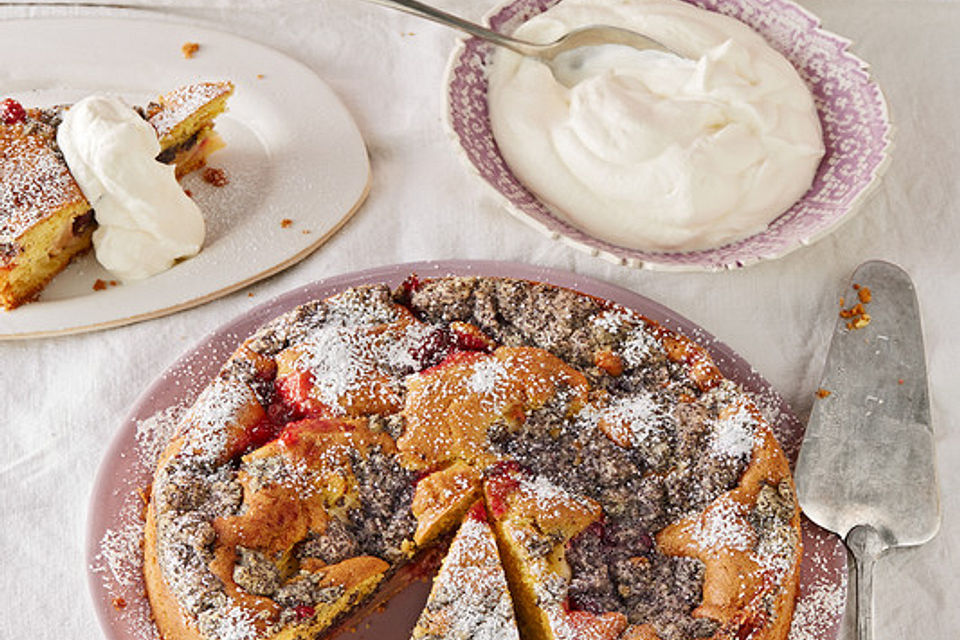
(651, 150)
(145, 220)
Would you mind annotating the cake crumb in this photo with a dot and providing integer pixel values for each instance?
(260, 76)
(216, 177)
(100, 285)
(286, 222)
(188, 192)
(822, 393)
(189, 49)
(900, 381)
(305, 232)
(118, 603)
(857, 314)
(250, 295)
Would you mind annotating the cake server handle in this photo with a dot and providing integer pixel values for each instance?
(867, 545)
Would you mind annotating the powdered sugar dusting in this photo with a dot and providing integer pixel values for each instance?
(734, 435)
(614, 319)
(34, 182)
(154, 433)
(218, 407)
(640, 414)
(342, 360)
(184, 101)
(724, 527)
(234, 624)
(119, 562)
(818, 609)
(639, 345)
(487, 375)
(470, 597)
(551, 498)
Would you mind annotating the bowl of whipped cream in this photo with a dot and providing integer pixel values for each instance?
(760, 135)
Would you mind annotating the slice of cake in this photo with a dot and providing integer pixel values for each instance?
(534, 521)
(44, 218)
(470, 599)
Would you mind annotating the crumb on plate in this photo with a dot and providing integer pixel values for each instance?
(216, 177)
(286, 223)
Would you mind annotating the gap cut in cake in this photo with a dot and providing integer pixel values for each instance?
(592, 468)
(44, 219)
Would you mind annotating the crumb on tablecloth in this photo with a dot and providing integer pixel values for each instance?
(189, 49)
(286, 223)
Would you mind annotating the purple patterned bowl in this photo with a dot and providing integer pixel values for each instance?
(853, 114)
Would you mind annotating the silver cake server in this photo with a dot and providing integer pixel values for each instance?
(866, 466)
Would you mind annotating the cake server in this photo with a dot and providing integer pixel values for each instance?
(866, 466)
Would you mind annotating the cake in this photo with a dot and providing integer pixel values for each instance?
(470, 597)
(632, 491)
(44, 219)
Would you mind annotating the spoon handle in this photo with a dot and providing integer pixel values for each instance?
(867, 545)
(432, 13)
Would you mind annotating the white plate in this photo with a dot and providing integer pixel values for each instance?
(293, 152)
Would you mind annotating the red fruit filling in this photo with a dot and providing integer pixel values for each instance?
(12, 112)
(304, 611)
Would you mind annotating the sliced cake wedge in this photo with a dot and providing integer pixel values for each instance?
(470, 599)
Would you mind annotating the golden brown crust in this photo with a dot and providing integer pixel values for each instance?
(448, 412)
(170, 620)
(441, 499)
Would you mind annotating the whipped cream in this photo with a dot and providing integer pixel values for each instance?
(650, 150)
(145, 220)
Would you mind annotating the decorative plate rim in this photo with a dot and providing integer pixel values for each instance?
(120, 473)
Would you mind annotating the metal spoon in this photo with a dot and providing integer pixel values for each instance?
(550, 54)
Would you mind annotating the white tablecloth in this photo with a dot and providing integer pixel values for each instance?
(63, 398)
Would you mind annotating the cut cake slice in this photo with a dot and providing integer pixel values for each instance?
(44, 219)
(470, 599)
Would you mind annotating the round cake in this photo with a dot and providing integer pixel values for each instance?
(633, 491)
